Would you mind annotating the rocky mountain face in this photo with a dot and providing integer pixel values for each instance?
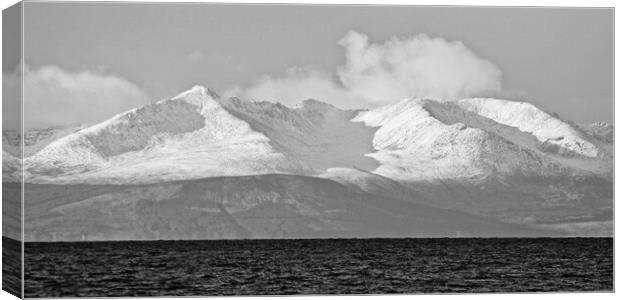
(601, 131)
(467, 167)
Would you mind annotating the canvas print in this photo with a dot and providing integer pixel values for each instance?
(202, 149)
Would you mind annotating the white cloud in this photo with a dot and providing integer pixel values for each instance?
(297, 83)
(53, 96)
(377, 74)
(11, 102)
(417, 66)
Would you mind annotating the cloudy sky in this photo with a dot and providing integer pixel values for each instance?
(86, 62)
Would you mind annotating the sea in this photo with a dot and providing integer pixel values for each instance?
(317, 266)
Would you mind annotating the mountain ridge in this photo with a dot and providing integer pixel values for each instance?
(316, 136)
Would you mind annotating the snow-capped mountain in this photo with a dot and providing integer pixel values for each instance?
(556, 135)
(188, 136)
(499, 159)
(197, 134)
(421, 139)
(34, 139)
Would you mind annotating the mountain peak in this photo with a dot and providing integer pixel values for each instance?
(198, 94)
(204, 91)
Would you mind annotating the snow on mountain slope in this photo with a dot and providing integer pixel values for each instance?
(528, 118)
(188, 136)
(11, 167)
(34, 139)
(571, 145)
(422, 139)
(553, 150)
(198, 134)
(318, 134)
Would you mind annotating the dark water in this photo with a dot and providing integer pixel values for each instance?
(11, 266)
(339, 266)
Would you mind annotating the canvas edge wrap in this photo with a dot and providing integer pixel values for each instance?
(12, 179)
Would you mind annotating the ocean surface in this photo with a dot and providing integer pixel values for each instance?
(11, 266)
(328, 266)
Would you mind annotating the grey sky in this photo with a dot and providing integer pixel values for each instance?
(561, 59)
(11, 53)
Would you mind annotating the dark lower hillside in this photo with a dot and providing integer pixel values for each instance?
(265, 206)
(11, 210)
(578, 205)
